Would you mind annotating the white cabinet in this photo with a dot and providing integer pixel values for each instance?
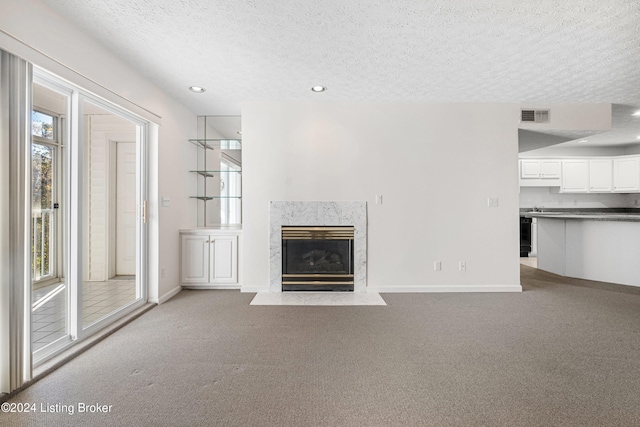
(539, 169)
(575, 176)
(539, 173)
(600, 175)
(620, 174)
(587, 175)
(626, 174)
(209, 258)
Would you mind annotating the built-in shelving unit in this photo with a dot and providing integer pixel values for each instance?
(218, 171)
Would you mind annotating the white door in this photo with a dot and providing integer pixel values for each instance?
(125, 208)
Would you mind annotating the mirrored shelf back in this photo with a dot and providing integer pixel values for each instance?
(218, 171)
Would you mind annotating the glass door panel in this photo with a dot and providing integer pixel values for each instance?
(110, 204)
(49, 293)
(42, 218)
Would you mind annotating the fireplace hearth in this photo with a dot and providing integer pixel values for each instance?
(317, 258)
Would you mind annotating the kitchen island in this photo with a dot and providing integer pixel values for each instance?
(602, 246)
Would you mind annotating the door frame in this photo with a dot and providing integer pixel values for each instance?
(73, 187)
(112, 221)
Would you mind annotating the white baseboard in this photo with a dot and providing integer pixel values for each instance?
(168, 295)
(446, 288)
(416, 289)
(211, 287)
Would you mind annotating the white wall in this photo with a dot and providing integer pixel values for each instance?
(36, 25)
(434, 164)
(550, 197)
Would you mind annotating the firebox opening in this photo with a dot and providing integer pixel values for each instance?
(317, 258)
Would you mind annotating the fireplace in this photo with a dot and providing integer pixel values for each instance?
(317, 258)
(333, 214)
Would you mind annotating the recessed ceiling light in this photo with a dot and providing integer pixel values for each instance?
(638, 137)
(239, 132)
(637, 113)
(318, 88)
(583, 140)
(197, 89)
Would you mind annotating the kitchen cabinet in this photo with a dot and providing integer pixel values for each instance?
(626, 174)
(209, 258)
(539, 169)
(587, 175)
(540, 173)
(575, 176)
(620, 174)
(600, 175)
(563, 247)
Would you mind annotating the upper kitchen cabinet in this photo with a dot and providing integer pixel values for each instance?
(600, 175)
(540, 172)
(587, 175)
(575, 176)
(626, 174)
(619, 174)
(535, 168)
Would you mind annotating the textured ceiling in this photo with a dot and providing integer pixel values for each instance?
(411, 50)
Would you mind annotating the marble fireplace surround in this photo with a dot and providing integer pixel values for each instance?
(318, 214)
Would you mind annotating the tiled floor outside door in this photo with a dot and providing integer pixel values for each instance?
(48, 316)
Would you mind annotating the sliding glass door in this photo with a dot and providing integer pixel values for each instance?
(73, 224)
(88, 229)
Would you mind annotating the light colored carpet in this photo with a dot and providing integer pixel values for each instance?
(561, 353)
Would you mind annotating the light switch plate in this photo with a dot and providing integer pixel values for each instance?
(492, 202)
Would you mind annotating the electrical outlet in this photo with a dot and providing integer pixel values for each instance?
(379, 199)
(492, 202)
(437, 266)
(163, 272)
(462, 265)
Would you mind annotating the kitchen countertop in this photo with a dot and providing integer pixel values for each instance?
(630, 215)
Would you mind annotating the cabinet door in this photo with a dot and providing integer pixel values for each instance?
(529, 169)
(194, 253)
(224, 259)
(549, 169)
(600, 175)
(575, 176)
(626, 174)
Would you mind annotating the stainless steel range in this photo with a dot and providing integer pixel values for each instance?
(317, 258)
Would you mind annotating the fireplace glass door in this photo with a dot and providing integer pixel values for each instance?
(317, 258)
